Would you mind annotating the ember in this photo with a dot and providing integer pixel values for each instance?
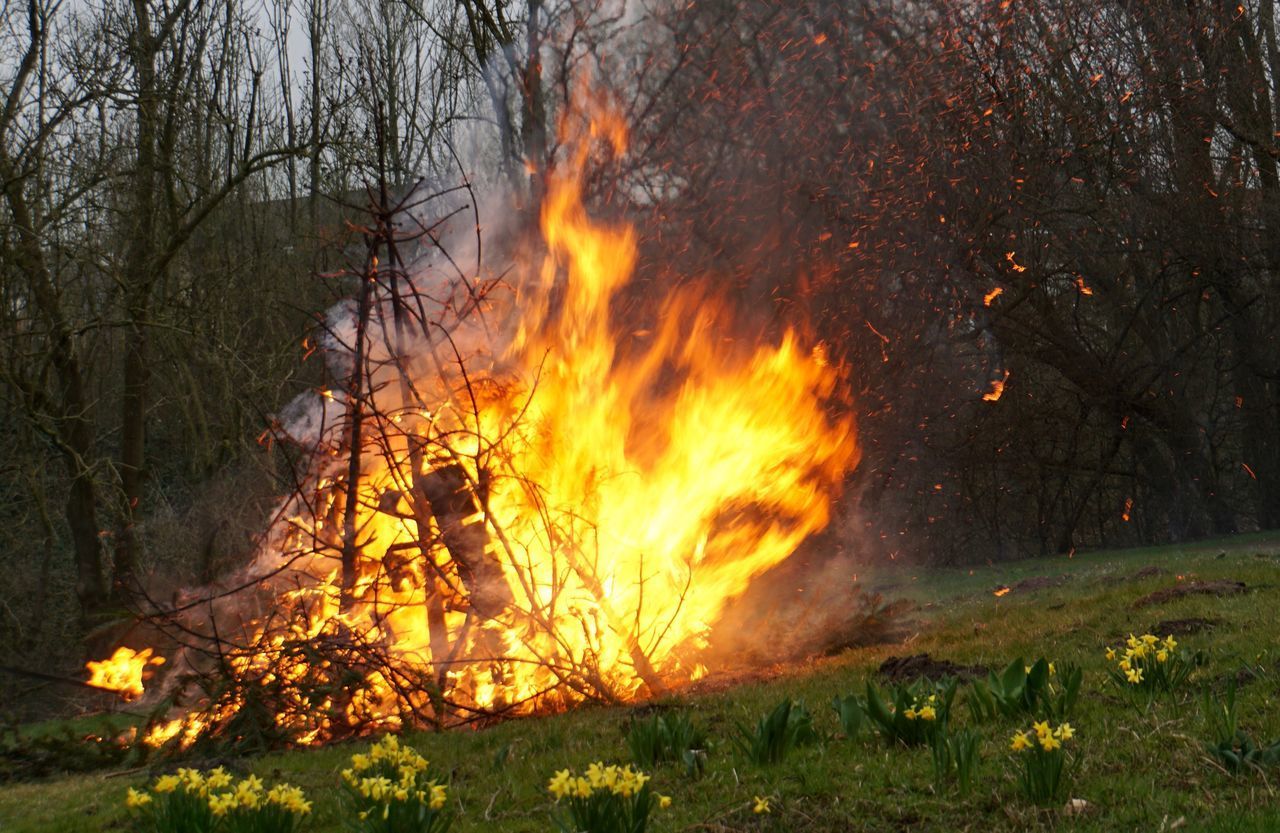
(124, 671)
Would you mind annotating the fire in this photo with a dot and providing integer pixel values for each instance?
(123, 671)
(997, 388)
(565, 521)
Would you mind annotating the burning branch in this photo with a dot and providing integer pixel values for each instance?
(507, 510)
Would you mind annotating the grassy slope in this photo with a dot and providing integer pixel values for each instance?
(1137, 771)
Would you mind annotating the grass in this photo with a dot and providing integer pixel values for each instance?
(1137, 771)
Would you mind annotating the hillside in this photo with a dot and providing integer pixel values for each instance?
(1137, 769)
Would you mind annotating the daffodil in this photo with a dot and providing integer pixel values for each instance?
(439, 794)
(1020, 742)
(761, 805)
(136, 800)
(560, 784)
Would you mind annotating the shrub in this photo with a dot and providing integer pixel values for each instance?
(604, 799)
(954, 755)
(852, 715)
(1147, 666)
(913, 713)
(1231, 747)
(195, 802)
(391, 792)
(789, 725)
(664, 738)
(1026, 689)
(1044, 760)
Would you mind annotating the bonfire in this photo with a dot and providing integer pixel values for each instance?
(515, 500)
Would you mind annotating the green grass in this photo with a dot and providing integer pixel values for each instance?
(1137, 771)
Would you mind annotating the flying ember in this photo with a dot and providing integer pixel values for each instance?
(518, 501)
(123, 671)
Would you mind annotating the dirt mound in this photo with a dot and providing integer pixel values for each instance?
(1184, 627)
(1192, 588)
(906, 669)
(1039, 583)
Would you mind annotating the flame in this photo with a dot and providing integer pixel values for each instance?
(997, 389)
(1002, 590)
(123, 671)
(992, 295)
(600, 499)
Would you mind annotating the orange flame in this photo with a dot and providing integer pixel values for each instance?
(1000, 591)
(123, 671)
(622, 492)
(997, 389)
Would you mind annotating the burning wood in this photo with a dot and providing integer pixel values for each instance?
(521, 514)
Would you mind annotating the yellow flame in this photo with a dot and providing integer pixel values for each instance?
(123, 671)
(627, 490)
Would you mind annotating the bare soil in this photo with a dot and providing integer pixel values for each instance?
(1192, 588)
(906, 669)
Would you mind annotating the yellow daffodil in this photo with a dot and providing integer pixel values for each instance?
(664, 801)
(560, 784)
(1049, 743)
(1064, 732)
(1170, 643)
(1111, 653)
(218, 779)
(909, 714)
(1162, 655)
(1041, 728)
(928, 713)
(290, 798)
(1020, 742)
(761, 805)
(439, 794)
(222, 803)
(167, 783)
(135, 799)
(1134, 675)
